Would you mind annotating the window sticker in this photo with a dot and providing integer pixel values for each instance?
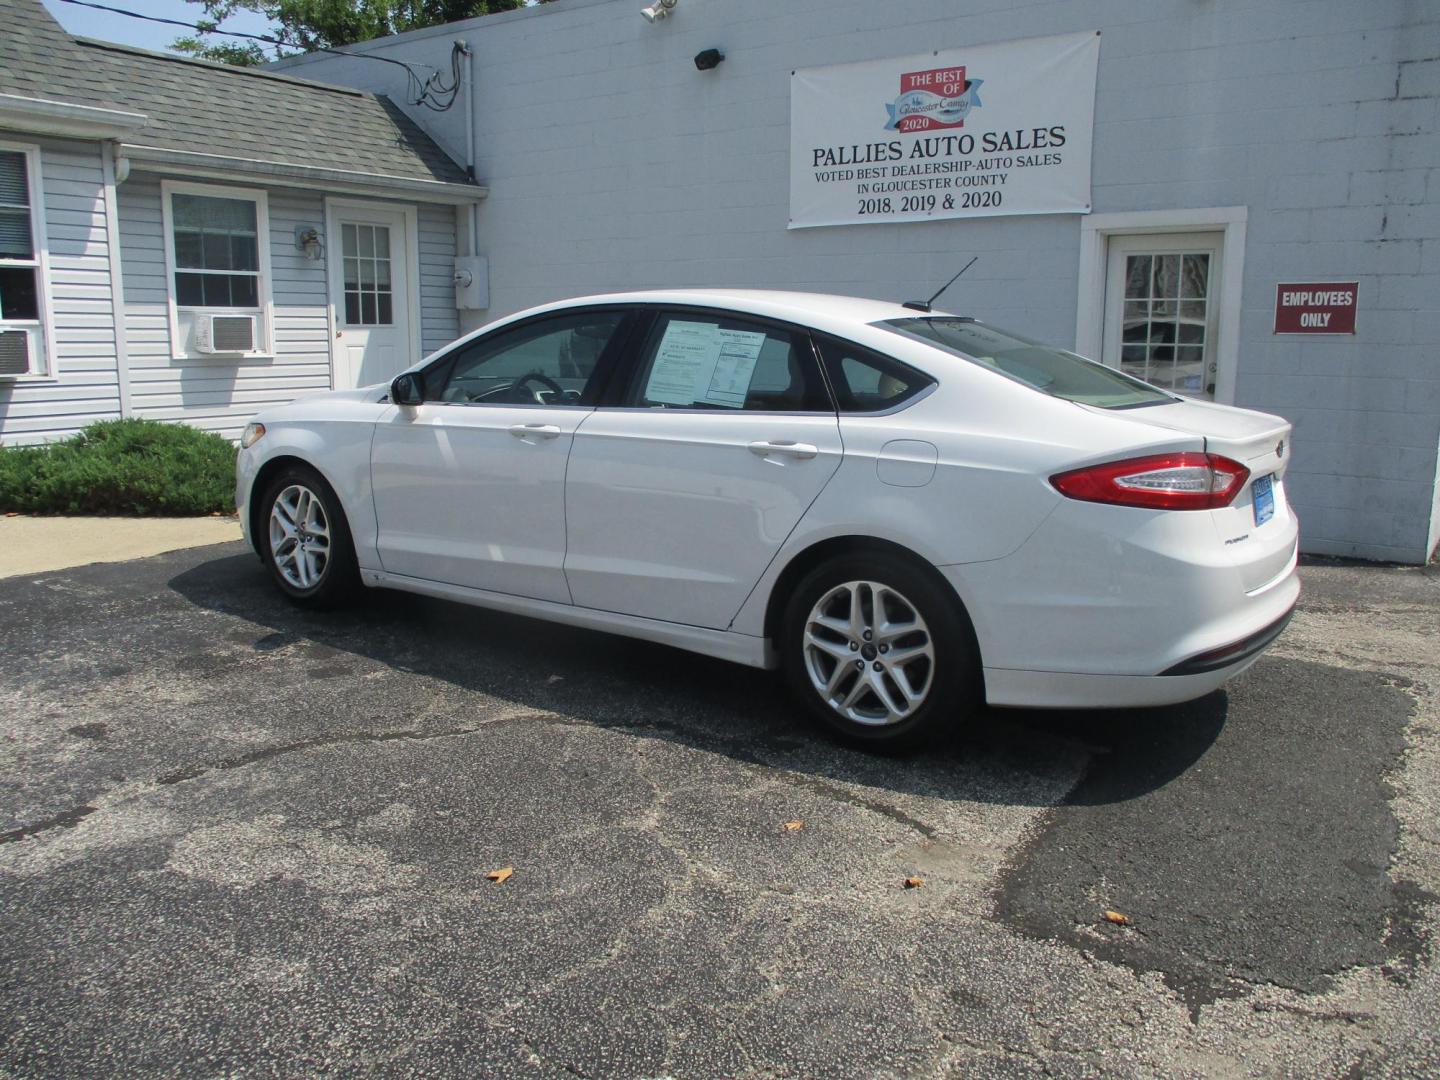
(734, 366)
(701, 363)
(680, 361)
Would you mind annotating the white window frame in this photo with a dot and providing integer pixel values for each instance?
(264, 341)
(43, 365)
(1095, 233)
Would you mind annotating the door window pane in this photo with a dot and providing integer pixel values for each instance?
(702, 361)
(549, 362)
(1165, 320)
(1137, 275)
(365, 251)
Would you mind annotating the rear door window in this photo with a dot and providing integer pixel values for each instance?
(709, 360)
(868, 381)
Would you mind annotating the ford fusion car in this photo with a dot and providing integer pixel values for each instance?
(908, 512)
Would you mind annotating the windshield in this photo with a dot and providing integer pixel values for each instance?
(1053, 371)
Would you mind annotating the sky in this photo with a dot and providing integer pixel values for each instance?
(87, 22)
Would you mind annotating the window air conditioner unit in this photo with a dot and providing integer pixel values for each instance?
(224, 334)
(14, 352)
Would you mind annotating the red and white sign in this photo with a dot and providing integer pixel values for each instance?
(1326, 307)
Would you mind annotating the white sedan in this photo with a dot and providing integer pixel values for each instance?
(908, 512)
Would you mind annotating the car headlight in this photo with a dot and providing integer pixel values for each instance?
(254, 432)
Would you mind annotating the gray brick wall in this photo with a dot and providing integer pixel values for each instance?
(614, 164)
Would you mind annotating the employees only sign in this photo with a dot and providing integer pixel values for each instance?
(1316, 307)
(997, 129)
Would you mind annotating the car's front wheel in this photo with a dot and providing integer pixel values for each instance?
(306, 540)
(879, 651)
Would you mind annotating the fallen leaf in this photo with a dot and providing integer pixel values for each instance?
(1117, 918)
(794, 826)
(914, 882)
(498, 876)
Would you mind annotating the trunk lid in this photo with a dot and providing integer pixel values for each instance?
(1258, 528)
(1252, 438)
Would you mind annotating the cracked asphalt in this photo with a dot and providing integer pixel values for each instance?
(236, 838)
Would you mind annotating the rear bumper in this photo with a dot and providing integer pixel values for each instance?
(1239, 652)
(1070, 690)
(1152, 609)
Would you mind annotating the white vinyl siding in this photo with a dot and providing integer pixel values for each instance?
(439, 321)
(80, 384)
(215, 393)
(221, 393)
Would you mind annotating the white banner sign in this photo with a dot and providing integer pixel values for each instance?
(997, 129)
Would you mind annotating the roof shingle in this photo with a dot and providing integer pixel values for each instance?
(207, 108)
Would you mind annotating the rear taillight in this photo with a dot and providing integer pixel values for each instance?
(1187, 481)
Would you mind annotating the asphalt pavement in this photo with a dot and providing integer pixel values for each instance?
(236, 838)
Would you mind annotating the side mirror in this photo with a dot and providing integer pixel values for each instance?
(408, 389)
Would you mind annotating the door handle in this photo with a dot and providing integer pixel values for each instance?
(785, 447)
(538, 431)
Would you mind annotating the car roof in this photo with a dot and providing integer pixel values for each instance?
(822, 310)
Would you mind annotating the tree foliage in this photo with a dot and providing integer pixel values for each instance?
(305, 25)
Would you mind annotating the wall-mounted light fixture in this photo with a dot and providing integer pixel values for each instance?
(307, 239)
(708, 59)
(658, 10)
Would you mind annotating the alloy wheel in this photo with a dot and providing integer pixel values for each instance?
(868, 653)
(299, 536)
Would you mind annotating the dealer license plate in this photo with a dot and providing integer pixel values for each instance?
(1263, 493)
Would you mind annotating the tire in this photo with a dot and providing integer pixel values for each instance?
(305, 539)
(868, 697)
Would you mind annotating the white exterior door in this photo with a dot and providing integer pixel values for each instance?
(370, 292)
(1162, 309)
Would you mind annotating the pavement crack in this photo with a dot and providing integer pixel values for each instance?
(67, 820)
(875, 806)
(267, 753)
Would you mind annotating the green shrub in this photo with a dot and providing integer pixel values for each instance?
(121, 467)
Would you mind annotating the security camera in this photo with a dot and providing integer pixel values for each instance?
(710, 58)
(658, 10)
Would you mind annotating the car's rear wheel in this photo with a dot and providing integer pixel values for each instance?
(306, 540)
(880, 652)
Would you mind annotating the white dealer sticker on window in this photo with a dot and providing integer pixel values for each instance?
(701, 363)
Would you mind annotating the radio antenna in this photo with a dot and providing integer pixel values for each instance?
(924, 305)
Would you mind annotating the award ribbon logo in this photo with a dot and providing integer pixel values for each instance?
(935, 99)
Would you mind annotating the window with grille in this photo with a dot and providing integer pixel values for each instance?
(21, 272)
(1167, 317)
(217, 252)
(365, 249)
